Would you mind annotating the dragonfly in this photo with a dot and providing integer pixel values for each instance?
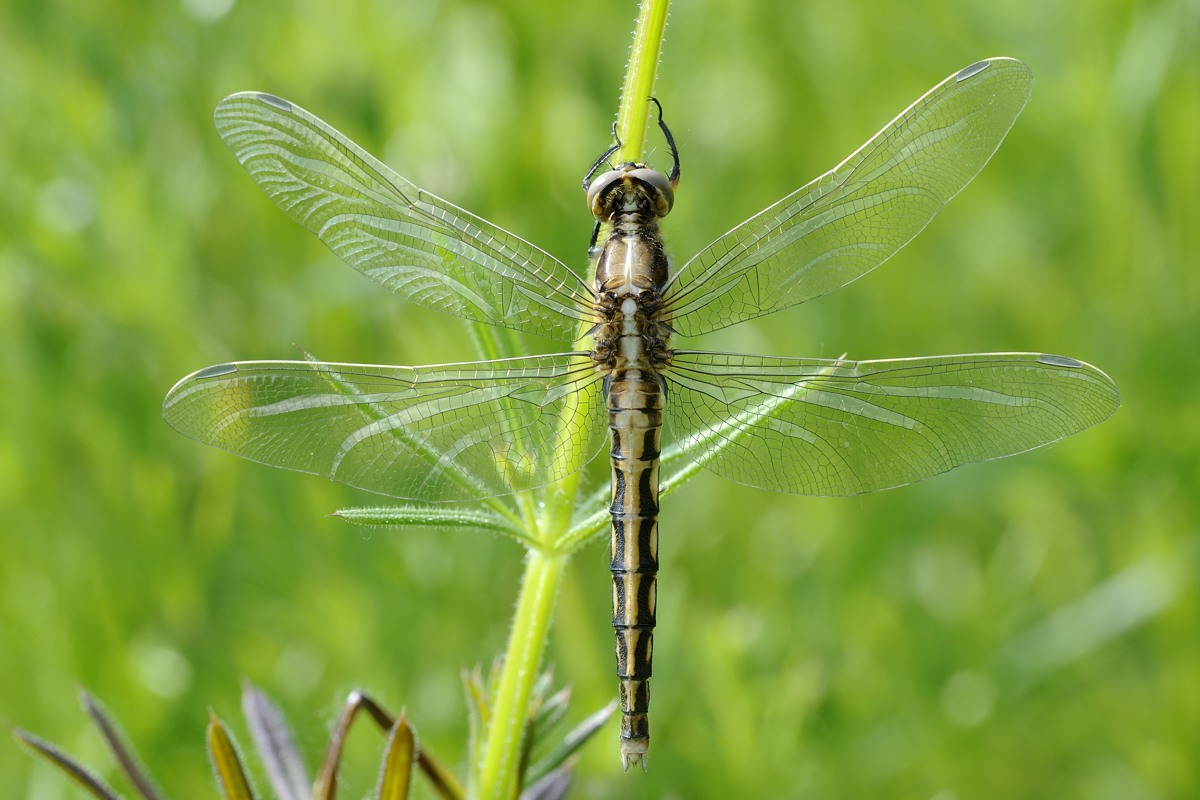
(466, 431)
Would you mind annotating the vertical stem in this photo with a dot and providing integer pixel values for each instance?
(639, 79)
(531, 625)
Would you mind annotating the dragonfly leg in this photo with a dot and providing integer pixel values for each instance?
(591, 173)
(673, 177)
(593, 250)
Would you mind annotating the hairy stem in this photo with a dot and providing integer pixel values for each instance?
(640, 73)
(531, 625)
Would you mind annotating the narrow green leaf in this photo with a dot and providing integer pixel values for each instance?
(435, 516)
(543, 713)
(69, 766)
(339, 384)
(550, 713)
(476, 714)
(542, 685)
(493, 678)
(369, 409)
(395, 774)
(120, 749)
(570, 743)
(231, 776)
(276, 746)
(524, 755)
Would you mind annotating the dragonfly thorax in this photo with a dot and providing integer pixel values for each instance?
(632, 333)
(631, 269)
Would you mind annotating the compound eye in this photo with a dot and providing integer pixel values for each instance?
(599, 187)
(660, 186)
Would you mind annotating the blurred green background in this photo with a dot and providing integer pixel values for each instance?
(1019, 629)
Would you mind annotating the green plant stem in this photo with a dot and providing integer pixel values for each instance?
(640, 73)
(531, 625)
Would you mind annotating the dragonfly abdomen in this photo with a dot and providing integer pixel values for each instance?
(635, 421)
(631, 345)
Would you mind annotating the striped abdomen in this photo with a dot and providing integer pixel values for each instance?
(631, 346)
(635, 421)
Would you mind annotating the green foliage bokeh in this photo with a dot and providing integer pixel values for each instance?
(1025, 628)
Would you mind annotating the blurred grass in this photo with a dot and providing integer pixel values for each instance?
(1019, 629)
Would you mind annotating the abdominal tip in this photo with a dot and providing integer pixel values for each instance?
(629, 759)
(633, 751)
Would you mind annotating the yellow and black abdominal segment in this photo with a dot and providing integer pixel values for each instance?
(635, 419)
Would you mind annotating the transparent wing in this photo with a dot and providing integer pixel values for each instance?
(452, 432)
(853, 218)
(398, 235)
(818, 427)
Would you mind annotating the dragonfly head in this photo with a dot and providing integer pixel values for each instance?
(630, 189)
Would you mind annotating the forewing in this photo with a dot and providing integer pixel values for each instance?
(452, 432)
(820, 427)
(853, 218)
(398, 235)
